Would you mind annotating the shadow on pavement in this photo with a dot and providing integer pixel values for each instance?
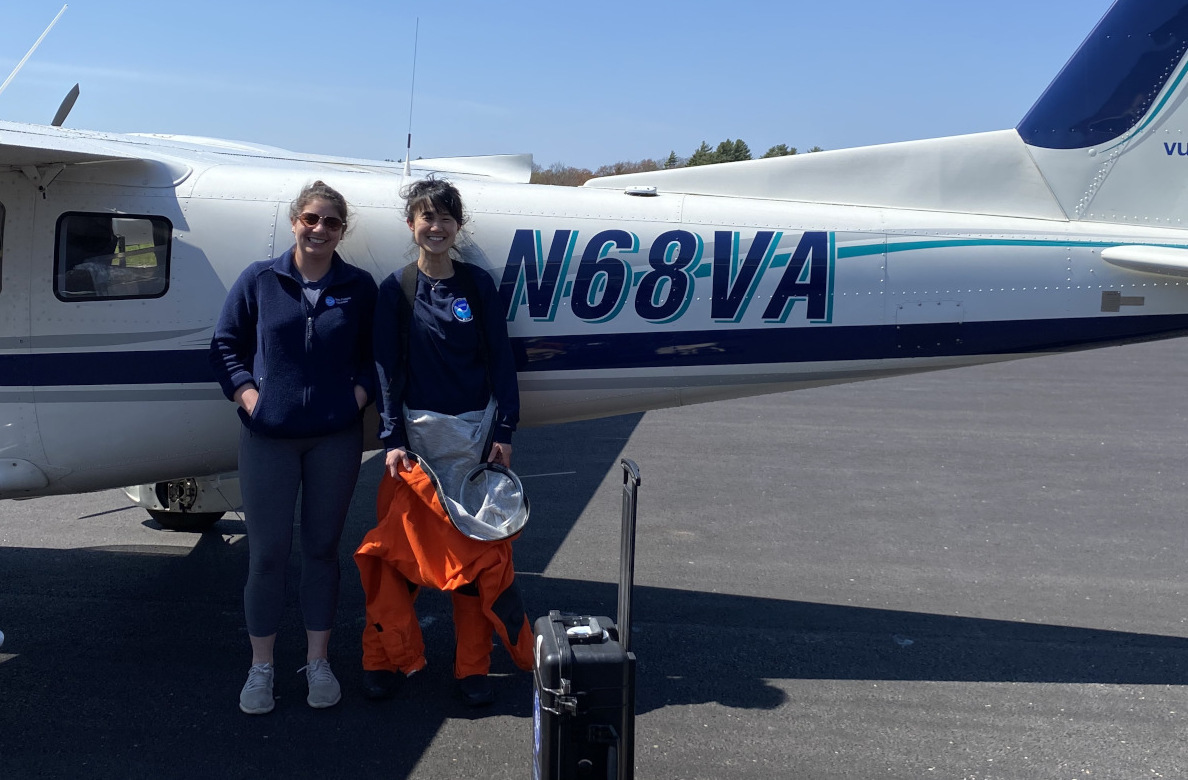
(126, 661)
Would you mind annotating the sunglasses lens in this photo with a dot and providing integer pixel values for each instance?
(309, 219)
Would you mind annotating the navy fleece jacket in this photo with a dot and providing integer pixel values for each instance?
(304, 360)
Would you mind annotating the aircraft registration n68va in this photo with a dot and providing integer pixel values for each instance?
(631, 293)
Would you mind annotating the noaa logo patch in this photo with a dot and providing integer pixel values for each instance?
(330, 300)
(462, 311)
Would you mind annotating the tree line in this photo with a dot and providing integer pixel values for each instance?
(730, 150)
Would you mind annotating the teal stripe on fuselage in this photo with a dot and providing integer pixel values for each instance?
(865, 250)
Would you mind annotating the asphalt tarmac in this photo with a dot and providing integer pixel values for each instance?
(972, 574)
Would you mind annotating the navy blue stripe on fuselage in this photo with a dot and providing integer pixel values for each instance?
(662, 349)
(126, 367)
(834, 343)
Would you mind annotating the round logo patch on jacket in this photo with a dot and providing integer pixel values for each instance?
(462, 311)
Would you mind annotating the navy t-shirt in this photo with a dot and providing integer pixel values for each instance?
(459, 352)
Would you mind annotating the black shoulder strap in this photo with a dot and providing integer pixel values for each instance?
(408, 285)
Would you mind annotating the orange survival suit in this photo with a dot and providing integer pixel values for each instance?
(414, 544)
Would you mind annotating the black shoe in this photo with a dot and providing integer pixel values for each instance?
(380, 683)
(476, 691)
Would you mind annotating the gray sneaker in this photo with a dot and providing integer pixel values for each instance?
(324, 690)
(256, 696)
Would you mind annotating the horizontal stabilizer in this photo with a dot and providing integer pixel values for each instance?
(1167, 261)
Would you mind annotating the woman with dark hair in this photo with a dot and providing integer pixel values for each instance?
(447, 385)
(292, 349)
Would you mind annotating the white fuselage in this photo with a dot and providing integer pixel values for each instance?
(617, 302)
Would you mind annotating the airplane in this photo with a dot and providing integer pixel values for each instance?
(631, 293)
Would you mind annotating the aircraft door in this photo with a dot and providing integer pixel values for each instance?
(22, 458)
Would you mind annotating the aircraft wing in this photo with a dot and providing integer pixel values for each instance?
(24, 145)
(513, 168)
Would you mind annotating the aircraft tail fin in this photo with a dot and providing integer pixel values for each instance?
(1107, 133)
(1105, 142)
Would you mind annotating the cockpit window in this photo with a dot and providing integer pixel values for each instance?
(102, 257)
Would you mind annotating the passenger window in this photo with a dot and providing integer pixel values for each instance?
(109, 257)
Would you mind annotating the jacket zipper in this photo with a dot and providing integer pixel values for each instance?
(309, 324)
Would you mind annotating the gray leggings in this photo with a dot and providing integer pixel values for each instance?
(271, 471)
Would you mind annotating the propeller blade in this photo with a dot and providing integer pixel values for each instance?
(64, 109)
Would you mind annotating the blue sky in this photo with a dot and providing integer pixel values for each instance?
(580, 83)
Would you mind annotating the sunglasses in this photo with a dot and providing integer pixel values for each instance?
(309, 219)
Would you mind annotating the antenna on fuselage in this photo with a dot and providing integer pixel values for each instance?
(411, 93)
(32, 49)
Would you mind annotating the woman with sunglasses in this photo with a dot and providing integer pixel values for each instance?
(292, 349)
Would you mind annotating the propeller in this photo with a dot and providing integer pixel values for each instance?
(64, 109)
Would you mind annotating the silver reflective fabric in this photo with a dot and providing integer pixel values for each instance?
(492, 502)
(483, 502)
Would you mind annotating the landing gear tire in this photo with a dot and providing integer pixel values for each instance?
(189, 522)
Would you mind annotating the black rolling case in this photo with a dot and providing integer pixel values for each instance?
(583, 713)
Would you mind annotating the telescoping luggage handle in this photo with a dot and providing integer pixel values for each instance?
(627, 551)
